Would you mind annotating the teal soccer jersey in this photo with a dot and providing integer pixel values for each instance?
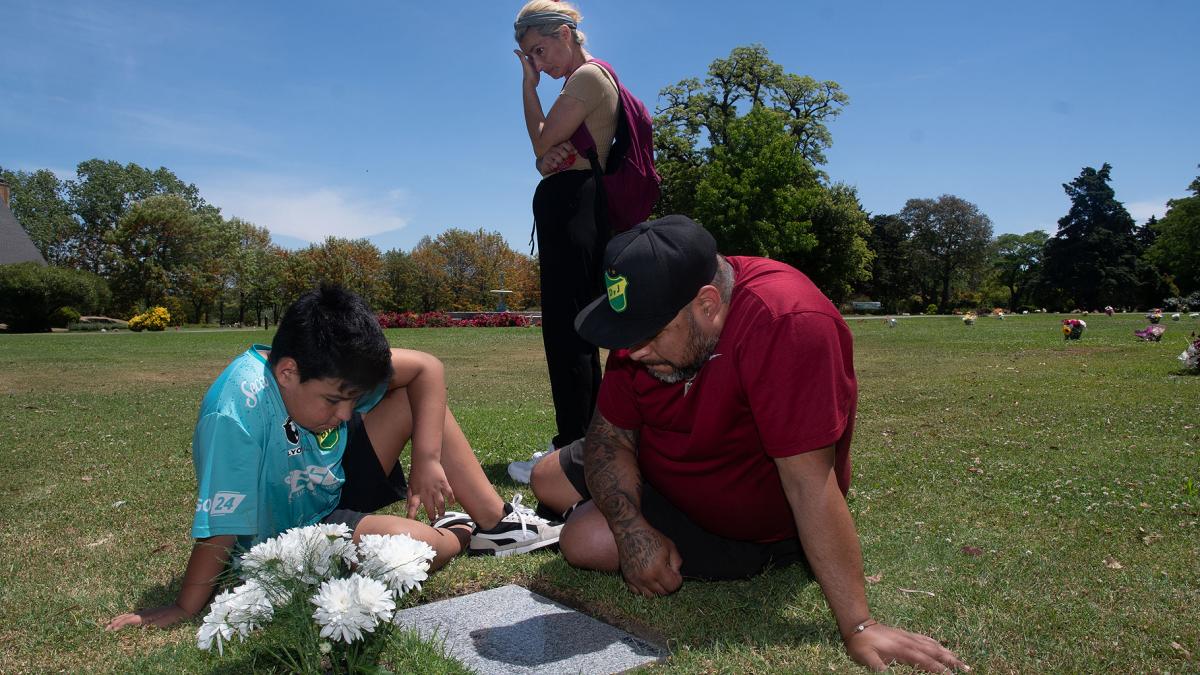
(258, 473)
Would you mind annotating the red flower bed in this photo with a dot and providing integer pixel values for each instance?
(443, 320)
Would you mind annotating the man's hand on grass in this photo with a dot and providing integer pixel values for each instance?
(879, 646)
(155, 616)
(649, 562)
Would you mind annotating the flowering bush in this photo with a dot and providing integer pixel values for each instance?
(156, 318)
(1191, 355)
(354, 589)
(969, 318)
(1151, 333)
(1073, 328)
(443, 320)
(1154, 315)
(1108, 310)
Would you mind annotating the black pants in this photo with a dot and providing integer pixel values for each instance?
(570, 246)
(705, 555)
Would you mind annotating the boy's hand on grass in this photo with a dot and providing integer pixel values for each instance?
(649, 562)
(156, 616)
(879, 646)
(428, 487)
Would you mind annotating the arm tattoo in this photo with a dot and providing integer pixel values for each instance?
(639, 548)
(610, 467)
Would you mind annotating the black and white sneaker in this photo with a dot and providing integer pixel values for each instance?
(519, 531)
(451, 518)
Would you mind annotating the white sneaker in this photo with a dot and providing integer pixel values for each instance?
(520, 471)
(519, 531)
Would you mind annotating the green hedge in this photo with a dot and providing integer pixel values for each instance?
(33, 298)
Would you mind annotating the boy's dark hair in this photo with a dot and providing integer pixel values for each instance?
(331, 333)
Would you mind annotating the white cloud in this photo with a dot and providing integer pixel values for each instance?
(286, 208)
(1141, 211)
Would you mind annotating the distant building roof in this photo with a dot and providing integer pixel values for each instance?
(15, 244)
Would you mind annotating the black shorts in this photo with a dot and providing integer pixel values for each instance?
(705, 555)
(367, 488)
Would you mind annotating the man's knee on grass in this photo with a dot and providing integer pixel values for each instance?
(587, 543)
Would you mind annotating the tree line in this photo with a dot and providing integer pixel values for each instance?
(150, 239)
(741, 151)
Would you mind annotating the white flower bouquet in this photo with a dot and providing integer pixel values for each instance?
(342, 596)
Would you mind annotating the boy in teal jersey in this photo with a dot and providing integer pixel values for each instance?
(310, 430)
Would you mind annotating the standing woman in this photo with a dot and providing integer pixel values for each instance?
(570, 240)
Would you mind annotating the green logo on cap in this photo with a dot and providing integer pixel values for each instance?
(616, 291)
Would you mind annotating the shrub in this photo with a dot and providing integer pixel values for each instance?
(444, 320)
(30, 294)
(176, 308)
(63, 317)
(932, 308)
(156, 318)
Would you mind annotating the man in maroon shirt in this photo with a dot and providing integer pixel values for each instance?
(721, 440)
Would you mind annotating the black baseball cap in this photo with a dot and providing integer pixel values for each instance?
(650, 272)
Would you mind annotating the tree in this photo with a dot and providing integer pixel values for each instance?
(843, 258)
(255, 273)
(153, 238)
(1016, 261)
(39, 204)
(459, 269)
(202, 279)
(429, 289)
(355, 264)
(950, 239)
(739, 153)
(102, 192)
(892, 278)
(756, 194)
(1176, 246)
(1092, 260)
(695, 120)
(402, 276)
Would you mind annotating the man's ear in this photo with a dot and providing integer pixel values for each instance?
(708, 301)
(287, 372)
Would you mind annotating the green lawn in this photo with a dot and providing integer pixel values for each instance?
(1028, 501)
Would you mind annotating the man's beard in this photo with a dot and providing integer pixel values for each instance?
(699, 349)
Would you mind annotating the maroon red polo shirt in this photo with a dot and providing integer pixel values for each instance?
(781, 382)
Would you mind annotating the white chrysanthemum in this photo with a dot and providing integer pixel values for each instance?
(237, 612)
(308, 554)
(398, 560)
(347, 607)
(216, 626)
(251, 606)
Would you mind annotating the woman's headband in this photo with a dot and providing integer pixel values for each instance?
(544, 19)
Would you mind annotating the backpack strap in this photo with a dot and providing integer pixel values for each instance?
(586, 145)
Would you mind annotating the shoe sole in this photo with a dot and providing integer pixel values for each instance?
(504, 553)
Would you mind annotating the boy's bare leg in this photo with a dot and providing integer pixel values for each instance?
(389, 426)
(446, 542)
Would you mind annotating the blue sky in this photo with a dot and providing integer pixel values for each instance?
(395, 120)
